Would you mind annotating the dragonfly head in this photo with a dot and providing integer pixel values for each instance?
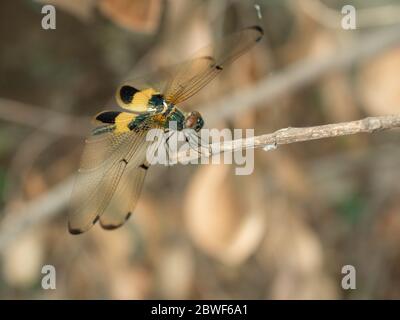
(194, 121)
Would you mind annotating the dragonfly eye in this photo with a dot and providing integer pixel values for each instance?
(194, 121)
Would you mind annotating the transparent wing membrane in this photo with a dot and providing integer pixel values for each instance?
(194, 75)
(113, 165)
(108, 160)
(127, 194)
(179, 82)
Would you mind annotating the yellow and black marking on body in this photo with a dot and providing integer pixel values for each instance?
(140, 101)
(115, 121)
(120, 122)
(114, 162)
(158, 111)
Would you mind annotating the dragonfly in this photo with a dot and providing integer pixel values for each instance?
(114, 161)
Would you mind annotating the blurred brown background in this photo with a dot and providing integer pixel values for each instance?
(201, 232)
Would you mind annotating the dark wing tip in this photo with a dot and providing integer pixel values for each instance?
(260, 30)
(126, 93)
(145, 167)
(110, 226)
(75, 231)
(115, 226)
(107, 116)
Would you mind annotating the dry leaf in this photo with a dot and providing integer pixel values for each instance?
(176, 272)
(135, 15)
(336, 89)
(293, 252)
(218, 217)
(23, 260)
(294, 287)
(35, 184)
(116, 246)
(131, 283)
(379, 84)
(290, 174)
(211, 212)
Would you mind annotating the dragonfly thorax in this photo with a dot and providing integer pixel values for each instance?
(159, 105)
(179, 120)
(192, 120)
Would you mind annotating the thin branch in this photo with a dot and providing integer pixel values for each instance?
(292, 135)
(44, 207)
(289, 135)
(299, 75)
(50, 203)
(268, 89)
(45, 120)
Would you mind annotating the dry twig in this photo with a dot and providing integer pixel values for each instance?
(51, 203)
(293, 135)
(35, 117)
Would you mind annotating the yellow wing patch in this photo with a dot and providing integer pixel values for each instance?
(134, 100)
(122, 121)
(119, 121)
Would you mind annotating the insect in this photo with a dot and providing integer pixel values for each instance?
(114, 160)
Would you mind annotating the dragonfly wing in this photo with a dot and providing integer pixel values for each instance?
(135, 94)
(193, 75)
(106, 159)
(125, 197)
(179, 82)
(130, 186)
(86, 210)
